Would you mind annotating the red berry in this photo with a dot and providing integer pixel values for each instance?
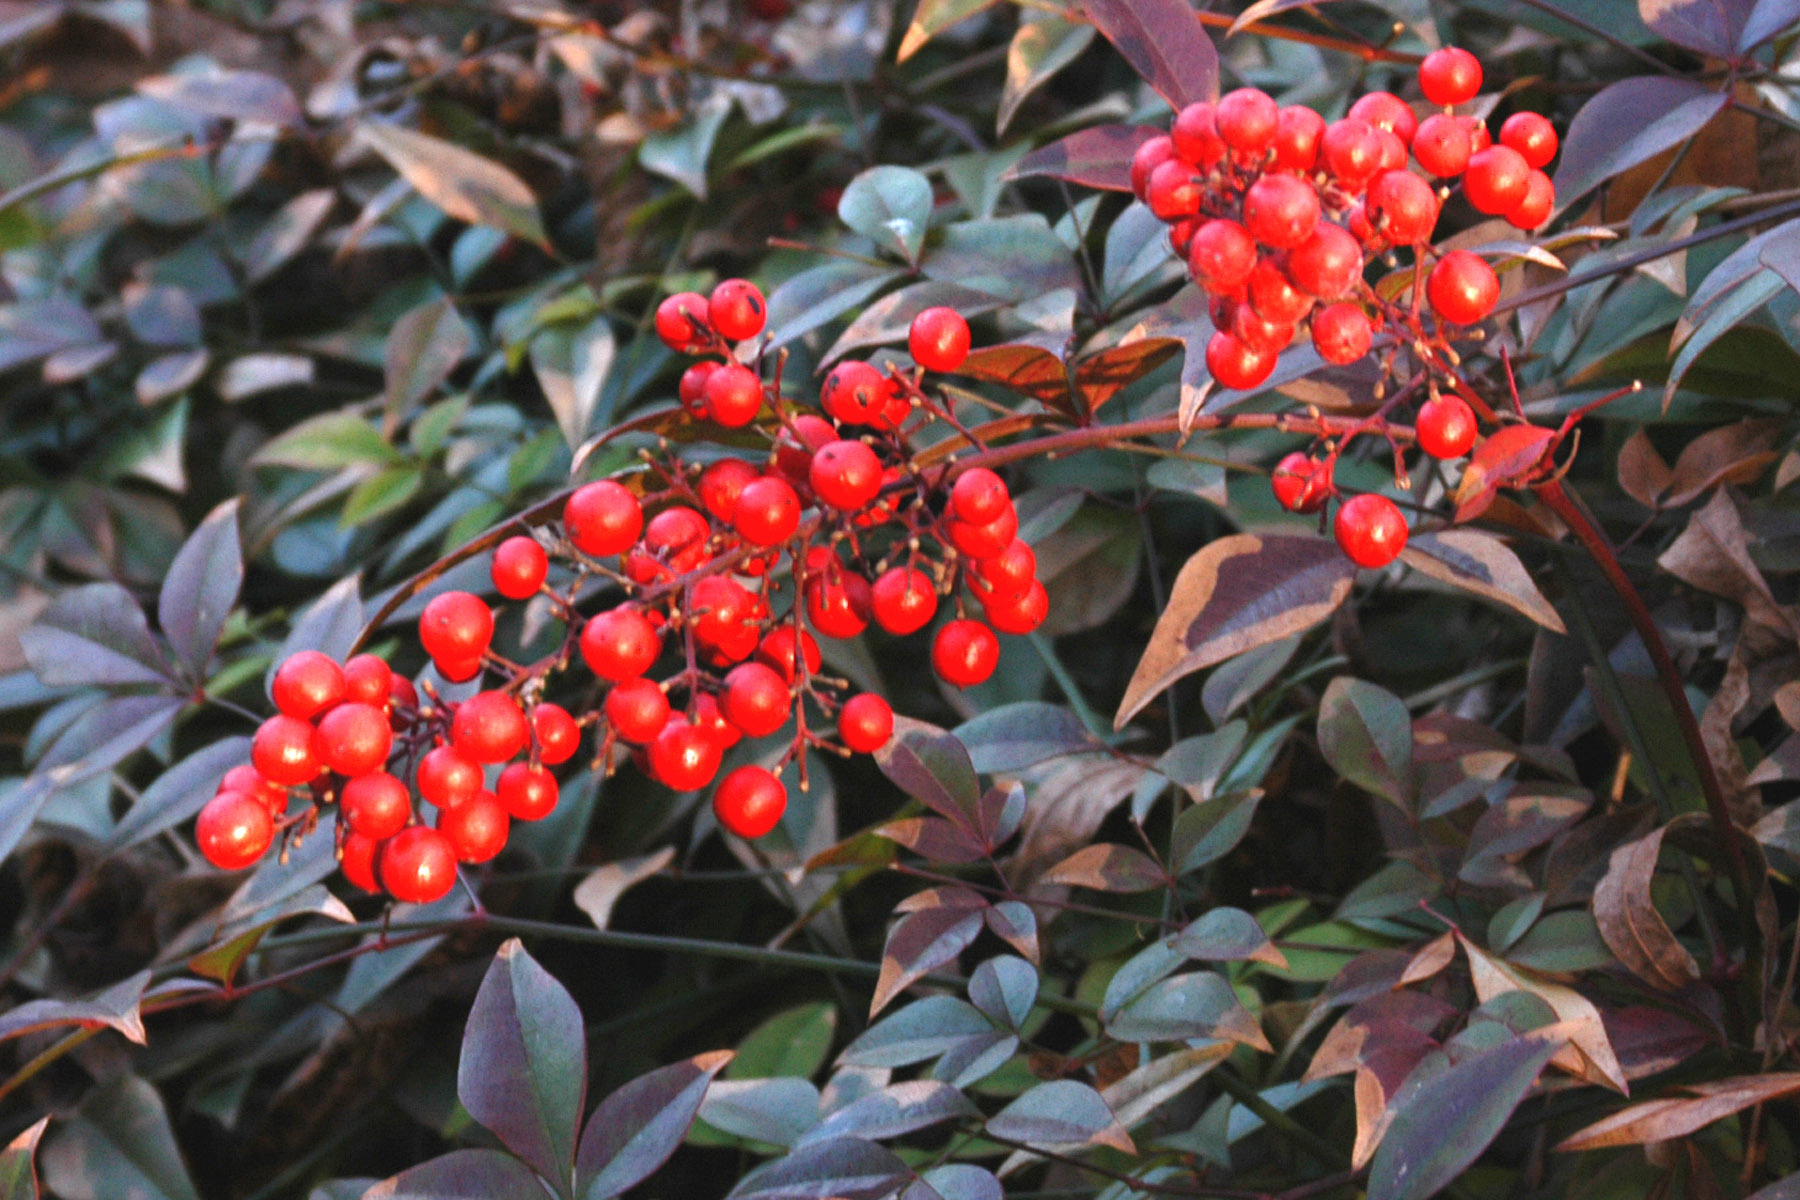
(417, 865)
(984, 541)
(1497, 179)
(733, 395)
(749, 802)
(1538, 204)
(376, 805)
(691, 389)
(1194, 136)
(1479, 138)
(603, 518)
(682, 321)
(1462, 288)
(1450, 76)
(845, 475)
(1402, 206)
(637, 709)
(1222, 255)
(865, 723)
(369, 680)
(490, 726)
(854, 393)
(682, 756)
(777, 650)
(246, 778)
(838, 603)
(557, 734)
(938, 339)
(234, 830)
(1393, 151)
(709, 718)
(756, 699)
(979, 496)
(620, 643)
(678, 536)
(1018, 614)
(964, 652)
(903, 600)
(307, 683)
(767, 512)
(1384, 110)
(1009, 573)
(722, 613)
(1341, 333)
(1370, 530)
(1533, 137)
(519, 567)
(449, 776)
(737, 310)
(527, 793)
(722, 483)
(353, 739)
(1248, 120)
(1257, 332)
(476, 831)
(1351, 150)
(1174, 191)
(1273, 295)
(1327, 264)
(1446, 427)
(1150, 154)
(1297, 138)
(455, 627)
(1443, 145)
(1236, 365)
(1300, 484)
(1280, 211)
(358, 861)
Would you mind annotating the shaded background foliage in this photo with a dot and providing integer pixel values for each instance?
(301, 297)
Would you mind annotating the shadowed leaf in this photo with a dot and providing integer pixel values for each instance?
(114, 1008)
(1099, 157)
(1630, 924)
(1589, 1054)
(93, 634)
(462, 183)
(1665, 1120)
(1061, 1113)
(841, 1169)
(921, 942)
(18, 1169)
(1627, 123)
(1107, 867)
(200, 588)
(1365, 733)
(462, 1175)
(1483, 564)
(636, 1129)
(1164, 42)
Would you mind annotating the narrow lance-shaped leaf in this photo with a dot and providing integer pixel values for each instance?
(636, 1129)
(1365, 733)
(1629, 122)
(462, 1175)
(116, 1007)
(422, 349)
(1630, 924)
(1165, 43)
(1677, 1117)
(18, 1168)
(1483, 564)
(1099, 157)
(118, 1143)
(462, 183)
(94, 634)
(923, 941)
(200, 588)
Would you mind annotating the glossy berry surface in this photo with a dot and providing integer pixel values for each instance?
(1300, 483)
(306, 683)
(737, 309)
(490, 726)
(755, 699)
(1450, 76)
(845, 474)
(527, 793)
(939, 339)
(866, 722)
(353, 739)
(558, 737)
(636, 709)
(619, 644)
(964, 653)
(476, 831)
(603, 518)
(1370, 530)
(417, 865)
(1446, 427)
(767, 513)
(376, 805)
(749, 801)
(519, 568)
(449, 776)
(682, 321)
(282, 751)
(234, 830)
(1462, 288)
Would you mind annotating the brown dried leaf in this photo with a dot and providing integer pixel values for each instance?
(1377, 1082)
(1024, 366)
(1589, 1054)
(1107, 867)
(1629, 923)
(1237, 593)
(1071, 799)
(1662, 1120)
(1713, 554)
(1100, 377)
(1432, 957)
(1643, 475)
(1481, 563)
(1730, 454)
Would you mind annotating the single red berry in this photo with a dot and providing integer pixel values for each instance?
(234, 830)
(767, 512)
(709, 718)
(637, 709)
(557, 734)
(691, 389)
(490, 726)
(1248, 120)
(527, 793)
(796, 444)
(1273, 295)
(1150, 154)
(938, 339)
(1009, 573)
(984, 541)
(1384, 110)
(519, 568)
(306, 684)
(756, 699)
(854, 393)
(476, 831)
(1497, 179)
(1446, 427)
(1462, 288)
(1393, 151)
(778, 650)
(1222, 255)
(733, 395)
(979, 496)
(1280, 211)
(455, 627)
(449, 776)
(603, 518)
(737, 309)
(1297, 136)
(964, 652)
(368, 680)
(1443, 145)
(358, 861)
(749, 801)
(722, 483)
(682, 756)
(1235, 365)
(376, 805)
(1018, 614)
(1258, 332)
(1402, 206)
(1194, 136)
(1341, 333)
(1327, 264)
(865, 723)
(353, 739)
(1351, 150)
(1370, 530)
(417, 865)
(838, 603)
(1533, 137)
(1175, 191)
(845, 475)
(722, 612)
(903, 600)
(1450, 76)
(1300, 484)
(678, 536)
(246, 778)
(620, 643)
(682, 321)
(458, 670)
(1538, 204)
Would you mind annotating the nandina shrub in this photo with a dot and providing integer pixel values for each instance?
(1439, 839)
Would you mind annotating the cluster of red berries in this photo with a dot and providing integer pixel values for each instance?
(1277, 211)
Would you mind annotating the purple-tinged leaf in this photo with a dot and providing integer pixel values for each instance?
(1061, 1113)
(1628, 123)
(1767, 19)
(523, 1070)
(1365, 733)
(1013, 736)
(462, 1175)
(919, 944)
(1481, 563)
(94, 634)
(228, 95)
(923, 1029)
(1710, 26)
(1004, 989)
(1107, 867)
(1209, 831)
(18, 1168)
(1199, 1004)
(955, 1181)
(637, 1128)
(200, 588)
(118, 1144)
(464, 184)
(1238, 593)
(1227, 935)
(1013, 922)
(114, 1008)
(841, 1169)
(1099, 157)
(1630, 924)
(936, 839)
(776, 1110)
(1165, 43)
(932, 767)
(894, 1111)
(423, 347)
(1781, 1189)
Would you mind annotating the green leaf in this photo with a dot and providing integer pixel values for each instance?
(1207, 832)
(327, 442)
(776, 1110)
(1365, 733)
(117, 1144)
(1040, 48)
(1004, 989)
(423, 348)
(286, 233)
(822, 294)
(636, 1129)
(523, 1070)
(793, 1042)
(682, 154)
(1227, 935)
(923, 1029)
(1060, 1114)
(1627, 123)
(891, 206)
(115, 1007)
(201, 587)
(932, 17)
(1018, 735)
(382, 492)
(894, 1112)
(18, 1170)
(462, 183)
(170, 374)
(571, 366)
(179, 792)
(1199, 1004)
